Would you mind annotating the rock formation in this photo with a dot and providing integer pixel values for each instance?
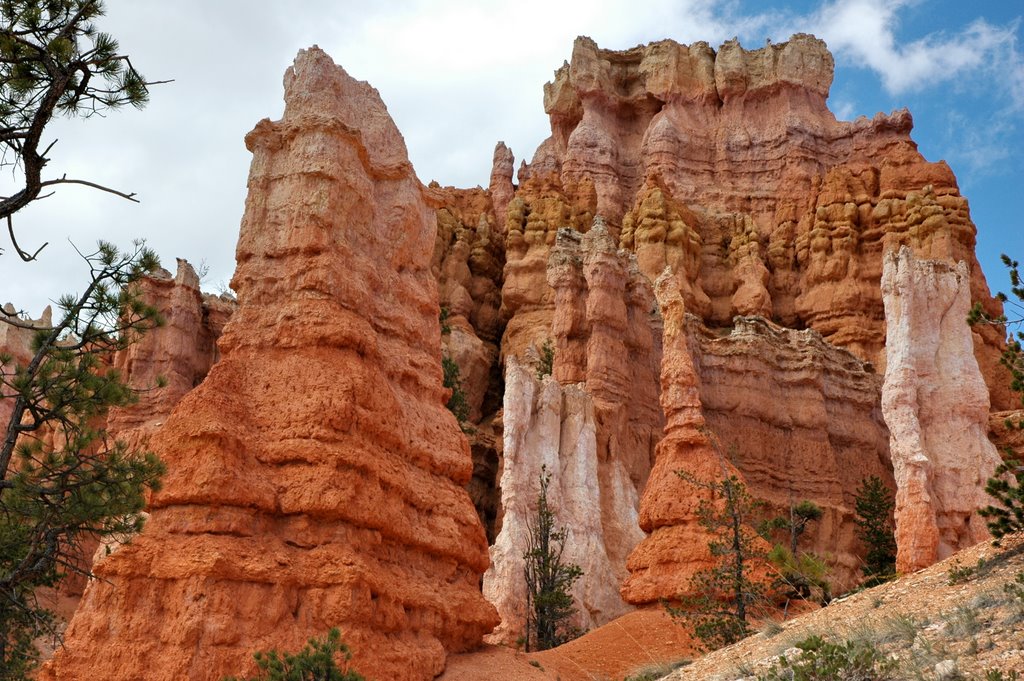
(314, 476)
(1004, 433)
(796, 417)
(551, 426)
(320, 437)
(728, 167)
(676, 546)
(16, 344)
(805, 422)
(937, 409)
(179, 354)
(593, 424)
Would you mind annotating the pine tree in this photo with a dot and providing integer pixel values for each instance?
(549, 581)
(62, 479)
(874, 507)
(802, 572)
(795, 522)
(721, 599)
(1006, 486)
(54, 62)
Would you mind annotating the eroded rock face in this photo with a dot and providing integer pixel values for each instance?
(937, 409)
(805, 422)
(593, 424)
(315, 477)
(16, 343)
(553, 426)
(180, 352)
(1002, 430)
(728, 167)
(797, 418)
(676, 546)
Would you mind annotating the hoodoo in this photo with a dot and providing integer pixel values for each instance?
(315, 477)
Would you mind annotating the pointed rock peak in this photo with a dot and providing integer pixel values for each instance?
(320, 94)
(186, 274)
(503, 153)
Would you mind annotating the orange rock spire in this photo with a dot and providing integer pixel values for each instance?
(314, 478)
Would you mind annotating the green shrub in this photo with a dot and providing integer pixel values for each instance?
(443, 319)
(546, 360)
(821, 660)
(958, 574)
(457, 403)
(656, 671)
(803, 576)
(315, 662)
(1015, 589)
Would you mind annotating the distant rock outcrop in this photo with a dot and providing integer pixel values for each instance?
(16, 344)
(937, 409)
(179, 354)
(314, 476)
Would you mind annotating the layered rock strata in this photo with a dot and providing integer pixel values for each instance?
(937, 408)
(728, 167)
(607, 336)
(314, 478)
(805, 422)
(796, 417)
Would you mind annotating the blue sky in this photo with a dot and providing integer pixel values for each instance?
(459, 75)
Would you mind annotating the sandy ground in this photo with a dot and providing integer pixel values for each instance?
(633, 642)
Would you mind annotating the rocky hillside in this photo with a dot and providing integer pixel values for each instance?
(960, 619)
(701, 269)
(965, 614)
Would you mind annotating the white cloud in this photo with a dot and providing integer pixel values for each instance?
(864, 32)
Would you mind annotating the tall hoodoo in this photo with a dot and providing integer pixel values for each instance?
(314, 478)
(937, 409)
(676, 547)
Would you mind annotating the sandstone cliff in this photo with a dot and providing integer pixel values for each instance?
(314, 478)
(728, 167)
(593, 424)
